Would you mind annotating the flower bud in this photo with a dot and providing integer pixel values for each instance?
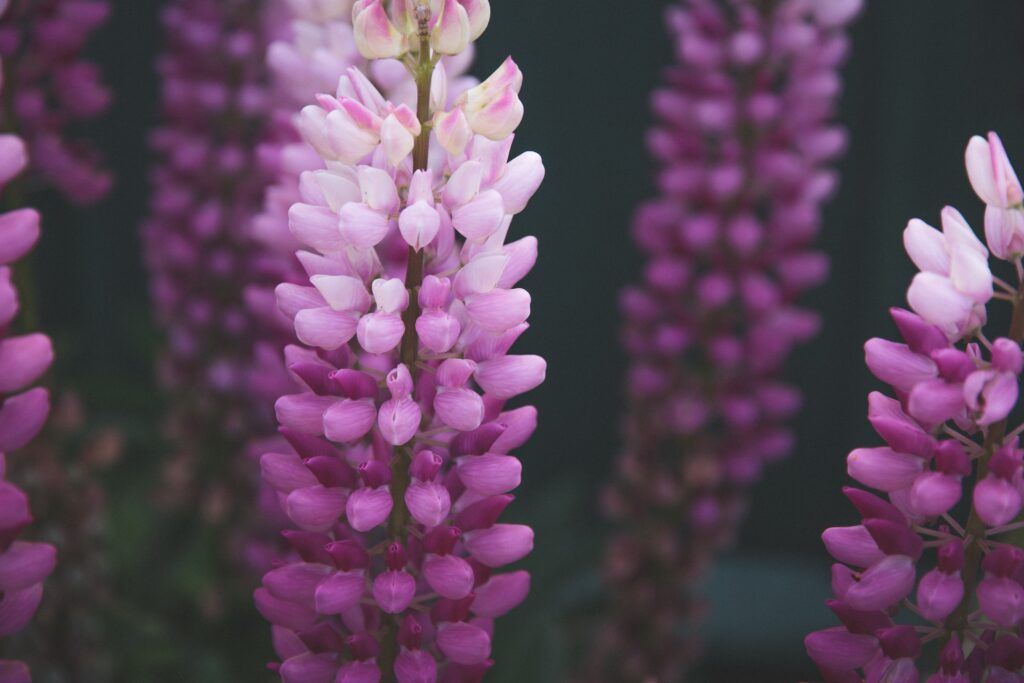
(493, 108)
(376, 36)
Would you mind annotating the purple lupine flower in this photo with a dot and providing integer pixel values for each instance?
(744, 140)
(949, 477)
(207, 186)
(23, 411)
(52, 87)
(310, 60)
(401, 462)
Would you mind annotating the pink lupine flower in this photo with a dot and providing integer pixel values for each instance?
(744, 142)
(23, 410)
(401, 466)
(53, 87)
(949, 438)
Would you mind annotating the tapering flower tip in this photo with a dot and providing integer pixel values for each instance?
(836, 649)
(450, 576)
(22, 360)
(509, 376)
(493, 108)
(884, 584)
(13, 157)
(464, 643)
(376, 36)
(451, 33)
(883, 468)
(991, 395)
(479, 13)
(415, 666)
(23, 565)
(19, 231)
(922, 337)
(991, 173)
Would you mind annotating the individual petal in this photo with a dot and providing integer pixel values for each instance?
(508, 376)
(897, 365)
(479, 218)
(463, 643)
(325, 328)
(500, 544)
(450, 576)
(21, 418)
(23, 360)
(378, 190)
(500, 594)
(19, 231)
(339, 592)
(938, 302)
(938, 594)
(380, 332)
(996, 500)
(852, 545)
(396, 140)
(361, 226)
(499, 310)
(1004, 232)
(419, 225)
(520, 181)
(933, 402)
(462, 409)
(453, 131)
(883, 584)
(308, 668)
(25, 564)
(376, 37)
(883, 468)
(367, 509)
(935, 493)
(838, 649)
(399, 420)
(415, 666)
(316, 508)
(302, 412)
(358, 672)
(342, 292)
(439, 331)
(1002, 600)
(926, 247)
(428, 503)
(451, 33)
(348, 420)
(394, 591)
(490, 474)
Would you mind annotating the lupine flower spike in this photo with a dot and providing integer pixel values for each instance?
(207, 187)
(744, 140)
(320, 49)
(23, 411)
(401, 466)
(934, 538)
(52, 87)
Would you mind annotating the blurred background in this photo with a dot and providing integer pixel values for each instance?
(923, 77)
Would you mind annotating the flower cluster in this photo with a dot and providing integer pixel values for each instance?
(744, 140)
(400, 464)
(949, 453)
(23, 360)
(320, 49)
(52, 87)
(200, 254)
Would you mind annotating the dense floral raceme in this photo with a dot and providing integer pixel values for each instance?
(400, 463)
(60, 472)
(935, 533)
(744, 138)
(316, 52)
(201, 256)
(52, 87)
(23, 411)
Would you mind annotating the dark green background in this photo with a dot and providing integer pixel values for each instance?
(924, 76)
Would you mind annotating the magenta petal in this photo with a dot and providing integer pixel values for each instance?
(490, 474)
(500, 594)
(938, 594)
(934, 493)
(394, 591)
(500, 544)
(1002, 600)
(296, 582)
(290, 615)
(25, 564)
(415, 666)
(19, 231)
(460, 408)
(368, 508)
(883, 584)
(358, 672)
(508, 376)
(452, 577)
(464, 643)
(428, 503)
(836, 648)
(399, 420)
(883, 468)
(17, 608)
(309, 668)
(339, 592)
(996, 500)
(348, 420)
(316, 508)
(21, 418)
(852, 545)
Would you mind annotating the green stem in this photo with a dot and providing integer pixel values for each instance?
(398, 523)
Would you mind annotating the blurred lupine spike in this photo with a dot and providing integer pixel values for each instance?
(949, 436)
(52, 87)
(23, 411)
(207, 186)
(420, 420)
(744, 140)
